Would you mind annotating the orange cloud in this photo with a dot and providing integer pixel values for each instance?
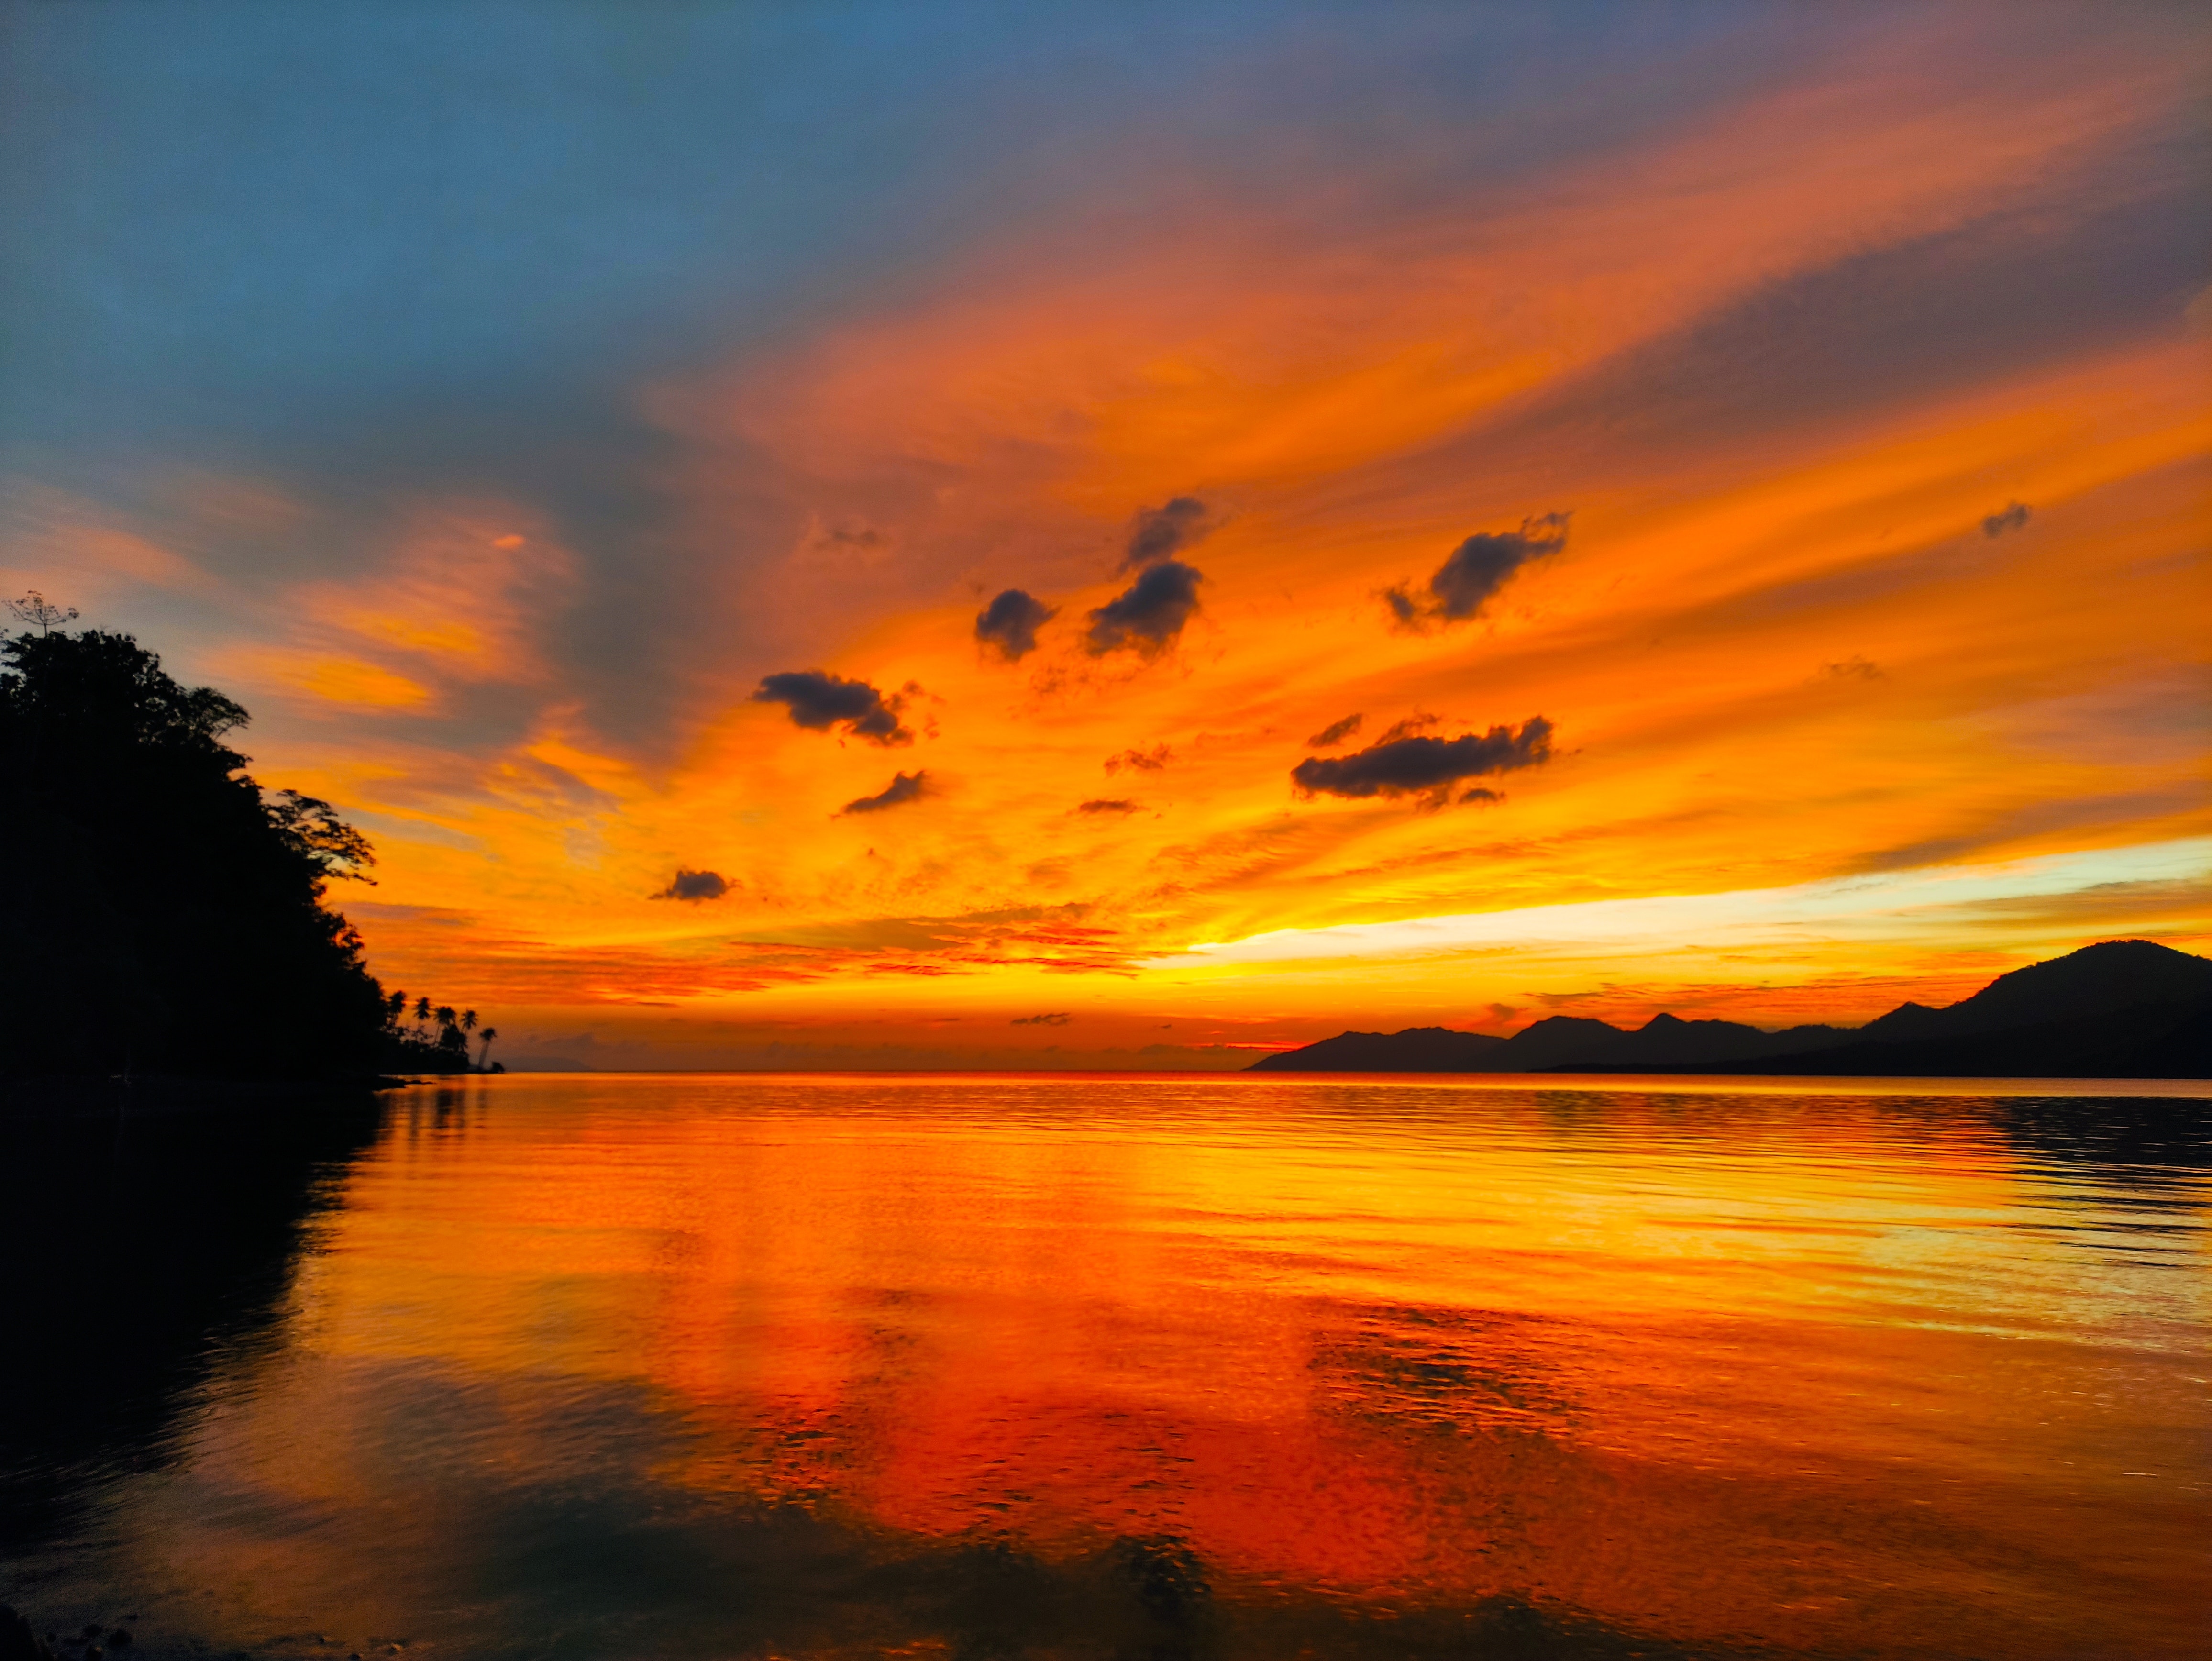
(350, 683)
(455, 592)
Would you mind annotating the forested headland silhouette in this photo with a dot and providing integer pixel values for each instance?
(165, 914)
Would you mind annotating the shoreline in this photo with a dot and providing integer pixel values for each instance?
(63, 1097)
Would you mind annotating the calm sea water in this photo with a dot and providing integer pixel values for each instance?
(1160, 1367)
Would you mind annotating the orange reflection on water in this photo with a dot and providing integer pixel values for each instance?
(1794, 1371)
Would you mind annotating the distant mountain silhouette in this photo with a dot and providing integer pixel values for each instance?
(1416, 1049)
(2120, 1009)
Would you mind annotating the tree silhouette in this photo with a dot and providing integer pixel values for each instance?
(483, 1059)
(155, 890)
(312, 830)
(33, 610)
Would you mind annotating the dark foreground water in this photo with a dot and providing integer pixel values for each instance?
(1160, 1368)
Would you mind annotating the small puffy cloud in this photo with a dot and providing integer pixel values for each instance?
(695, 885)
(1148, 615)
(1056, 1017)
(2010, 517)
(1162, 532)
(1854, 667)
(1008, 624)
(821, 701)
(1426, 767)
(1145, 761)
(1474, 571)
(1110, 804)
(903, 787)
(1336, 733)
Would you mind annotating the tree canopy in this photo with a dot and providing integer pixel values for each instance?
(162, 912)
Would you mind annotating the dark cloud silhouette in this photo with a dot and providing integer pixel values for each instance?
(1336, 733)
(821, 701)
(1426, 766)
(903, 787)
(2011, 517)
(1146, 617)
(1057, 1018)
(1145, 761)
(1162, 532)
(1110, 805)
(1479, 793)
(695, 885)
(1474, 571)
(1008, 624)
(1419, 721)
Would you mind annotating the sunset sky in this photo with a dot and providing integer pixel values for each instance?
(1132, 535)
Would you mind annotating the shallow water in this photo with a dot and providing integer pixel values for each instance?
(1179, 1367)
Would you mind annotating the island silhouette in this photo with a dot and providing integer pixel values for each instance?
(2119, 1009)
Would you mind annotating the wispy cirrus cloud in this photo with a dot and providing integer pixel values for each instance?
(1783, 317)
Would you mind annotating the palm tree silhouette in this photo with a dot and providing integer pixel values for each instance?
(484, 1059)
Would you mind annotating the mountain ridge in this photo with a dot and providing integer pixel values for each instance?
(2112, 1009)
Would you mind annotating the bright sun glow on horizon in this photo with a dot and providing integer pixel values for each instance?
(1814, 914)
